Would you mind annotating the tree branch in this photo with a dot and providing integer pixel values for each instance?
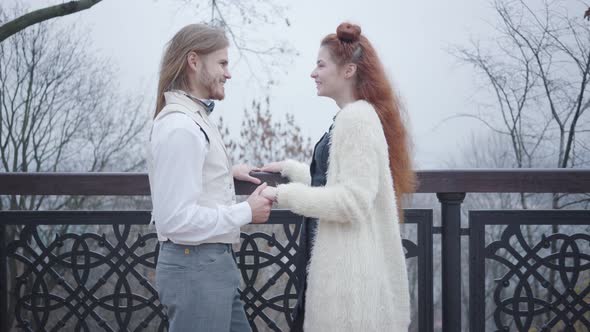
(44, 14)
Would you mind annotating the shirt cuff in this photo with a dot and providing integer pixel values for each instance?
(243, 214)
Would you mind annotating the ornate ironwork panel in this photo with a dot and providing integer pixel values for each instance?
(266, 258)
(95, 271)
(85, 282)
(537, 268)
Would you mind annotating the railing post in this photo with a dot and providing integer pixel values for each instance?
(3, 280)
(451, 260)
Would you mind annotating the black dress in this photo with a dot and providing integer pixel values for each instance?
(318, 170)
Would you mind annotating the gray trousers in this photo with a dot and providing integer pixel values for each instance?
(199, 287)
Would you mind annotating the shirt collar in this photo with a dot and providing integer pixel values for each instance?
(173, 97)
(207, 103)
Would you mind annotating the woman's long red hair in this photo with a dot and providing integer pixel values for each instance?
(349, 46)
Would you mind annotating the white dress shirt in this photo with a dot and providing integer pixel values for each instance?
(178, 150)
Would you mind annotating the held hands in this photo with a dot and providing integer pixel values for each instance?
(260, 205)
(274, 167)
(262, 198)
(242, 172)
(270, 193)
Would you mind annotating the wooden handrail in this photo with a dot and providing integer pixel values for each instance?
(430, 181)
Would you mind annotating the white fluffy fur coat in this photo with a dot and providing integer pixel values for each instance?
(357, 274)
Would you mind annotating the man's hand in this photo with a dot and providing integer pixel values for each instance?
(270, 193)
(275, 167)
(242, 172)
(260, 205)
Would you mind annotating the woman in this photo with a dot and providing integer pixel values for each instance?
(357, 273)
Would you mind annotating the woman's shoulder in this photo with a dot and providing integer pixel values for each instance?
(358, 113)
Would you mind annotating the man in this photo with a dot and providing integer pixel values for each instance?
(191, 178)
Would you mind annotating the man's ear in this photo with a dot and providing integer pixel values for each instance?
(349, 70)
(193, 59)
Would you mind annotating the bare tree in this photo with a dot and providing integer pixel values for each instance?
(537, 70)
(59, 112)
(263, 139)
(535, 73)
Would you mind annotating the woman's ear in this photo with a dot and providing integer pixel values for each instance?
(349, 70)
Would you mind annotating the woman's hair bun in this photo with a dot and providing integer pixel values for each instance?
(348, 32)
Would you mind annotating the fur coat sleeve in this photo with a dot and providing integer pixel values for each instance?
(353, 170)
(296, 172)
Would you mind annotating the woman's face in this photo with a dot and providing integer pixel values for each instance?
(328, 76)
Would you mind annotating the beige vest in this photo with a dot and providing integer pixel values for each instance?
(218, 182)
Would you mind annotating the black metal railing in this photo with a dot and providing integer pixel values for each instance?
(102, 277)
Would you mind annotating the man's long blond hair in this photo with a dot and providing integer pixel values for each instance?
(199, 38)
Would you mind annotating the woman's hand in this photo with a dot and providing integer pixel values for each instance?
(242, 172)
(270, 193)
(275, 167)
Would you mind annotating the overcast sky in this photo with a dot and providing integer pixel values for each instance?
(412, 38)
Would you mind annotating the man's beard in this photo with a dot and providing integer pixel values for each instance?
(209, 83)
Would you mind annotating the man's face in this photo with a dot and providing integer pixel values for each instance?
(213, 73)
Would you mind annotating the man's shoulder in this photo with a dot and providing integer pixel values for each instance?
(175, 121)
